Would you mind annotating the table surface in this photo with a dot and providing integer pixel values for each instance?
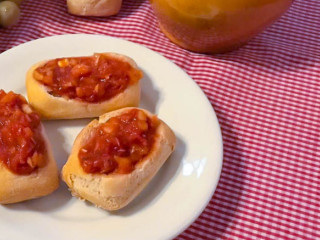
(267, 98)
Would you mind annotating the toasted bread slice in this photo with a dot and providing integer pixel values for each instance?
(114, 191)
(52, 107)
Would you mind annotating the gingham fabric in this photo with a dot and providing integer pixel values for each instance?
(267, 99)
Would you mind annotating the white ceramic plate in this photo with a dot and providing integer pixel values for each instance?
(178, 193)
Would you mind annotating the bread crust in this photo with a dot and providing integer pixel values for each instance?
(43, 181)
(115, 191)
(50, 107)
(99, 8)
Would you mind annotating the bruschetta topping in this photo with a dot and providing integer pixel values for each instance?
(117, 145)
(22, 146)
(91, 79)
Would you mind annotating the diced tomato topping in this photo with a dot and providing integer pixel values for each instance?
(119, 144)
(22, 146)
(90, 79)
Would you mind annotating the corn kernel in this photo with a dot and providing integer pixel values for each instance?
(63, 63)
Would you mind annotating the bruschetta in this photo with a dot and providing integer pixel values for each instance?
(115, 157)
(27, 167)
(83, 87)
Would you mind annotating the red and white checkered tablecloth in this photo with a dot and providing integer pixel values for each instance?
(267, 99)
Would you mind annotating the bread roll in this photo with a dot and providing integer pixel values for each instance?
(100, 8)
(51, 107)
(115, 190)
(22, 176)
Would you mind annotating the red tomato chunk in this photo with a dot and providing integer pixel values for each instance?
(119, 144)
(90, 79)
(22, 146)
